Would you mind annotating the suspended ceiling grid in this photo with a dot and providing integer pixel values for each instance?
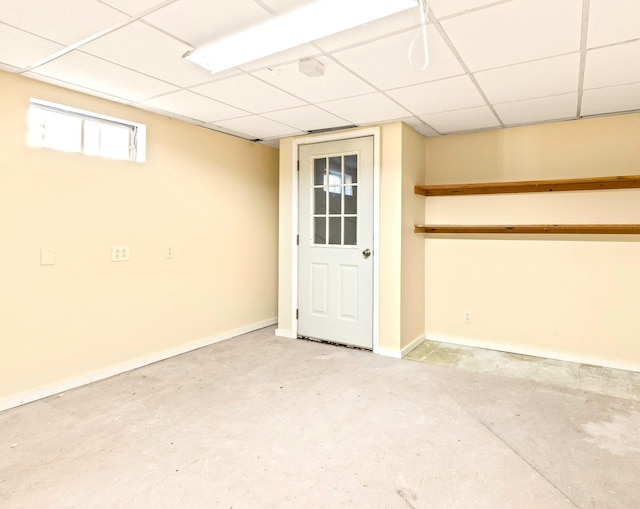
(492, 63)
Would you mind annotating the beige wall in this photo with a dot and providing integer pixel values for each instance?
(401, 256)
(569, 297)
(286, 319)
(402, 253)
(413, 207)
(390, 255)
(210, 196)
(585, 148)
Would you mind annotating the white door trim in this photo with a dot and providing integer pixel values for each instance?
(356, 133)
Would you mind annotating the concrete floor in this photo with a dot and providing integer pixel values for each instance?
(609, 381)
(265, 422)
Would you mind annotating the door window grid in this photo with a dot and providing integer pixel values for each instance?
(335, 200)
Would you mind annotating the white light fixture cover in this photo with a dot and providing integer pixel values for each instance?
(311, 67)
(308, 23)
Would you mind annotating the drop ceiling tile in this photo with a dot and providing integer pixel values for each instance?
(197, 22)
(516, 31)
(220, 129)
(256, 127)
(147, 50)
(274, 143)
(611, 99)
(71, 86)
(369, 31)
(613, 21)
(437, 96)
(613, 65)
(442, 8)
(538, 110)
(365, 109)
(134, 6)
(248, 93)
(385, 62)
(336, 83)
(281, 58)
(96, 74)
(462, 120)
(306, 118)
(541, 78)
(419, 126)
(63, 21)
(21, 49)
(194, 106)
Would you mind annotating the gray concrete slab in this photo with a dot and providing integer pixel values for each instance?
(265, 422)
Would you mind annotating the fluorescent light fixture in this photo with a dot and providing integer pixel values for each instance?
(308, 23)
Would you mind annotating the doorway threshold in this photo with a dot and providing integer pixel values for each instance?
(334, 343)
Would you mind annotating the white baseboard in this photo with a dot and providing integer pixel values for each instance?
(534, 352)
(412, 345)
(388, 352)
(399, 354)
(283, 333)
(101, 374)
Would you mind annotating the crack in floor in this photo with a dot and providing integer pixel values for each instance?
(493, 432)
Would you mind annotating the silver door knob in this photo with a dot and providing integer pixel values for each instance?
(366, 253)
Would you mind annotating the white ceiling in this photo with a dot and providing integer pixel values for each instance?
(493, 63)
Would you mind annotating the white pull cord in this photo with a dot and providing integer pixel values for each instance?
(423, 5)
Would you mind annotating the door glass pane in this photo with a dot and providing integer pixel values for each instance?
(319, 230)
(350, 231)
(319, 171)
(335, 167)
(335, 175)
(335, 230)
(320, 200)
(351, 169)
(335, 196)
(351, 200)
(335, 200)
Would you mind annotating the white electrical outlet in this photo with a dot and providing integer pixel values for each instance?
(120, 254)
(467, 317)
(47, 256)
(171, 252)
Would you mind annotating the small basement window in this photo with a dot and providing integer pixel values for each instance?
(72, 130)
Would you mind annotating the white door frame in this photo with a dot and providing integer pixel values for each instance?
(336, 136)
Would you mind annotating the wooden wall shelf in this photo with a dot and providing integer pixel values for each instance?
(617, 229)
(532, 186)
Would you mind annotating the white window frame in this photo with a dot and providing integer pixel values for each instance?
(137, 132)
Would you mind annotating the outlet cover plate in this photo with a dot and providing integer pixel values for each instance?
(120, 254)
(47, 256)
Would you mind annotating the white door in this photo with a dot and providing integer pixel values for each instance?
(335, 294)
